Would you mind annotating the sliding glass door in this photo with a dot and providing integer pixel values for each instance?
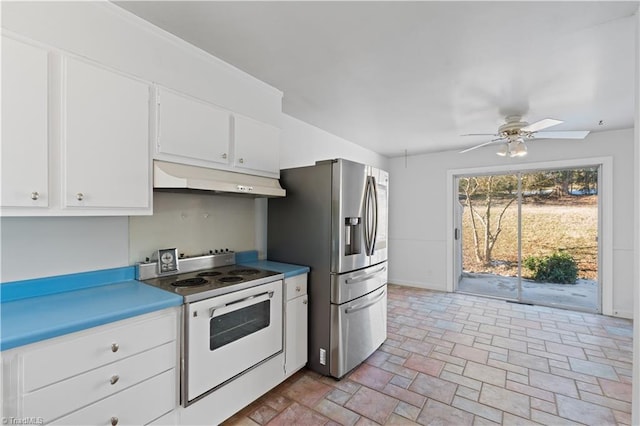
(530, 237)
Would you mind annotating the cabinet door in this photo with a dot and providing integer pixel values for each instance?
(24, 125)
(257, 145)
(296, 335)
(192, 129)
(105, 144)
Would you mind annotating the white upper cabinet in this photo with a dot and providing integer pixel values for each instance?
(105, 140)
(24, 153)
(195, 131)
(191, 131)
(257, 145)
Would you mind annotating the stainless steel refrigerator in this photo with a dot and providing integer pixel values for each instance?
(334, 219)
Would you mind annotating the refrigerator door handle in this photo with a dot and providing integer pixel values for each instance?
(374, 200)
(365, 305)
(365, 277)
(367, 223)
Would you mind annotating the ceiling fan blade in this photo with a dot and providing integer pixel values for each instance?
(569, 134)
(479, 134)
(480, 145)
(542, 124)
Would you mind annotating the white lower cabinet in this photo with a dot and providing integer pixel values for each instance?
(297, 308)
(120, 373)
(137, 405)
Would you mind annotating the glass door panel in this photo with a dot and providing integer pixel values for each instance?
(488, 239)
(559, 219)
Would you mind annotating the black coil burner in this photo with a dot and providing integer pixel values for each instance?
(189, 282)
(230, 279)
(209, 274)
(246, 271)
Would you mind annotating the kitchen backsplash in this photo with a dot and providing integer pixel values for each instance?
(36, 247)
(193, 223)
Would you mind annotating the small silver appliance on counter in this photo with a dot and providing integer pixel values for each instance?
(334, 219)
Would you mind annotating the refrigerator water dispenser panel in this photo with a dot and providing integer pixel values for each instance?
(352, 235)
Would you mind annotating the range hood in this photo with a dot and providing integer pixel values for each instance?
(176, 177)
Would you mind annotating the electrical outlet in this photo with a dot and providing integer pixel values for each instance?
(323, 357)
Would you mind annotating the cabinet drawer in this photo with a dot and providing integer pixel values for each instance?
(296, 286)
(137, 405)
(73, 356)
(79, 391)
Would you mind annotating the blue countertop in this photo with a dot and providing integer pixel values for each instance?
(287, 269)
(250, 258)
(39, 309)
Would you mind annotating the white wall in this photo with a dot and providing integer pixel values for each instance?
(33, 247)
(302, 144)
(418, 200)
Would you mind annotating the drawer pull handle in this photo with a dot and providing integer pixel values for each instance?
(35, 195)
(114, 421)
(298, 288)
(115, 347)
(80, 196)
(114, 379)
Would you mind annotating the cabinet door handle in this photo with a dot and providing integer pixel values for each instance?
(35, 195)
(80, 196)
(115, 347)
(298, 288)
(305, 301)
(114, 421)
(224, 156)
(114, 379)
(241, 160)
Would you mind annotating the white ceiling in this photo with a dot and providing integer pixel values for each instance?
(395, 76)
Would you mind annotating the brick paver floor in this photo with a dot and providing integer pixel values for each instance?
(453, 359)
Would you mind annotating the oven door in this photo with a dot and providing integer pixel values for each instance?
(229, 334)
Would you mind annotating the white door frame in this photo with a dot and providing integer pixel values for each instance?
(605, 214)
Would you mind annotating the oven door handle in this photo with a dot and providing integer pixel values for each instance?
(365, 305)
(255, 296)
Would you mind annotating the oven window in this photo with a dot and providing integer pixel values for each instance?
(235, 325)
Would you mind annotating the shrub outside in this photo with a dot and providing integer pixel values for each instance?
(560, 267)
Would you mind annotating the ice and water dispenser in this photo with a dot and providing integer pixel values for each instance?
(352, 235)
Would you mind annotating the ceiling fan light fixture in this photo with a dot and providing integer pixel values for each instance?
(519, 149)
(504, 150)
(513, 148)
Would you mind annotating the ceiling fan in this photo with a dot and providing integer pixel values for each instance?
(514, 132)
